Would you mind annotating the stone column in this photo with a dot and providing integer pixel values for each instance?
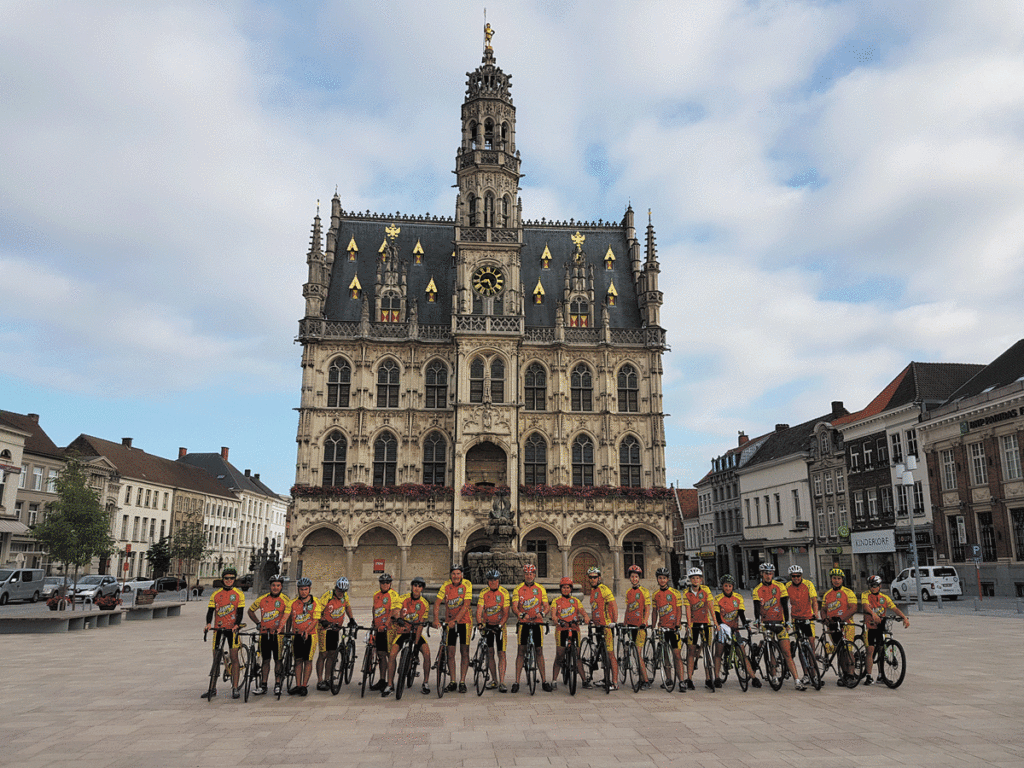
(402, 567)
(616, 569)
(565, 560)
(349, 551)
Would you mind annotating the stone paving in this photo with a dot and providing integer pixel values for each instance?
(129, 696)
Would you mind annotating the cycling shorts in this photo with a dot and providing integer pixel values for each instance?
(228, 637)
(873, 637)
(525, 631)
(777, 628)
(329, 639)
(849, 630)
(565, 634)
(405, 637)
(696, 630)
(382, 640)
(803, 628)
(457, 634)
(673, 639)
(639, 635)
(496, 636)
(609, 638)
(271, 646)
(303, 647)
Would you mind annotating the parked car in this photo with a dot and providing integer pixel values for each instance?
(139, 583)
(20, 584)
(170, 584)
(52, 585)
(93, 586)
(935, 580)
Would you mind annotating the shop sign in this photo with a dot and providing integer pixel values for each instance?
(834, 551)
(867, 542)
(924, 539)
(706, 555)
(995, 418)
(378, 566)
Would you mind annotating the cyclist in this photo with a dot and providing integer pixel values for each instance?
(530, 603)
(730, 612)
(385, 600)
(568, 611)
(667, 611)
(492, 613)
(302, 620)
(334, 607)
(224, 614)
(803, 606)
(702, 620)
(273, 608)
(457, 596)
(603, 613)
(412, 608)
(874, 604)
(771, 605)
(837, 606)
(638, 606)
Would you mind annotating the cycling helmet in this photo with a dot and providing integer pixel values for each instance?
(455, 567)
(874, 581)
(694, 572)
(837, 572)
(276, 578)
(767, 568)
(341, 584)
(593, 571)
(385, 578)
(634, 569)
(530, 568)
(494, 575)
(663, 572)
(796, 569)
(727, 579)
(418, 580)
(565, 582)
(228, 572)
(304, 582)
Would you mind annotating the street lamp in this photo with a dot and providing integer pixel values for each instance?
(906, 473)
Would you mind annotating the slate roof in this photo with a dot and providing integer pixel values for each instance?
(1005, 369)
(136, 463)
(786, 442)
(38, 442)
(226, 474)
(437, 240)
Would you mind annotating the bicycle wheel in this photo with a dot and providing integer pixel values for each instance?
(709, 667)
(340, 665)
(369, 669)
(809, 664)
(586, 652)
(571, 672)
(530, 668)
(739, 663)
(350, 655)
(286, 663)
(214, 673)
(250, 665)
(289, 666)
(621, 654)
(667, 667)
(633, 661)
(414, 663)
(443, 676)
(855, 658)
(892, 666)
(481, 670)
(774, 664)
(404, 661)
(606, 662)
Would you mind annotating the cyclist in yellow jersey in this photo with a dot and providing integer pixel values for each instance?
(638, 604)
(771, 606)
(334, 607)
(730, 611)
(224, 614)
(603, 613)
(874, 605)
(837, 606)
(669, 611)
(412, 609)
(568, 613)
(492, 609)
(803, 607)
(273, 608)
(456, 595)
(702, 620)
(303, 618)
(384, 601)
(530, 604)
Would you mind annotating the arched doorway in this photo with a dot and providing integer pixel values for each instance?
(322, 555)
(486, 464)
(580, 564)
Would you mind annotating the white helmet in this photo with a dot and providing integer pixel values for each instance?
(724, 633)
(795, 569)
(694, 572)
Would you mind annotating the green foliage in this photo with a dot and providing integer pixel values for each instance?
(76, 527)
(159, 556)
(189, 543)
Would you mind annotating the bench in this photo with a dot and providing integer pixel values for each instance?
(67, 621)
(153, 611)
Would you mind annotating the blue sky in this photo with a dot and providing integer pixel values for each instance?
(836, 189)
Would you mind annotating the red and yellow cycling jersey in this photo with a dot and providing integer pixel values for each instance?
(801, 599)
(638, 606)
(225, 604)
(770, 596)
(333, 609)
(729, 608)
(601, 603)
(305, 615)
(702, 603)
(412, 611)
(837, 602)
(383, 604)
(495, 601)
(568, 610)
(530, 599)
(669, 603)
(274, 611)
(455, 596)
(879, 604)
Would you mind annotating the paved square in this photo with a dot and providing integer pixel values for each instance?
(129, 695)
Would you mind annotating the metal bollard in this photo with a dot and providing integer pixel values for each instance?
(1020, 606)
(938, 599)
(976, 607)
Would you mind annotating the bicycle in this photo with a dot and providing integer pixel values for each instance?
(706, 655)
(409, 660)
(628, 657)
(571, 657)
(734, 656)
(444, 675)
(594, 651)
(889, 657)
(249, 652)
(841, 656)
(482, 656)
(287, 664)
(369, 662)
(221, 657)
(660, 660)
(344, 660)
(766, 655)
(530, 659)
(808, 661)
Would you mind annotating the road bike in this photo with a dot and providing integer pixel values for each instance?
(628, 657)
(409, 659)
(530, 657)
(249, 662)
(659, 658)
(571, 656)
(344, 660)
(767, 656)
(483, 655)
(369, 662)
(444, 675)
(287, 663)
(594, 652)
(890, 659)
(804, 651)
(705, 654)
(844, 657)
(222, 659)
(734, 656)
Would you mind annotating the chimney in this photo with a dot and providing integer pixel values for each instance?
(224, 452)
(257, 475)
(837, 408)
(743, 438)
(247, 473)
(182, 452)
(34, 417)
(781, 427)
(126, 442)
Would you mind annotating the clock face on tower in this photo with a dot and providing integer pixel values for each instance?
(488, 280)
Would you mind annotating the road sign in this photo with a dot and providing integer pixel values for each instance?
(975, 551)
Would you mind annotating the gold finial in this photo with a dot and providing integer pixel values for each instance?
(578, 240)
(392, 231)
(488, 34)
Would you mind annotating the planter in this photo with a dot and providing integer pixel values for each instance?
(143, 599)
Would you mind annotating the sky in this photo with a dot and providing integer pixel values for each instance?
(837, 190)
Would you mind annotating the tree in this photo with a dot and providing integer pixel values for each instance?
(159, 556)
(76, 528)
(189, 544)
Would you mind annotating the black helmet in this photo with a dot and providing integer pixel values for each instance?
(385, 578)
(418, 580)
(663, 572)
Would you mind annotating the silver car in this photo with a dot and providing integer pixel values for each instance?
(95, 585)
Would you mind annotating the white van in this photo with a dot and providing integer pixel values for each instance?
(935, 580)
(21, 584)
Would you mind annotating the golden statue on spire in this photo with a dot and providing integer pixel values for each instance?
(488, 34)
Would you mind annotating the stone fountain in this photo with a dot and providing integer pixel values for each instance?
(502, 529)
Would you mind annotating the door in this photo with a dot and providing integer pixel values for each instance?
(583, 562)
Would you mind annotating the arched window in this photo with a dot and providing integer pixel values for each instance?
(435, 449)
(504, 146)
(390, 307)
(497, 381)
(535, 386)
(437, 385)
(488, 134)
(387, 384)
(339, 383)
(506, 211)
(535, 460)
(582, 388)
(385, 459)
(476, 380)
(472, 134)
(579, 313)
(582, 461)
(471, 204)
(335, 453)
(629, 462)
(629, 389)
